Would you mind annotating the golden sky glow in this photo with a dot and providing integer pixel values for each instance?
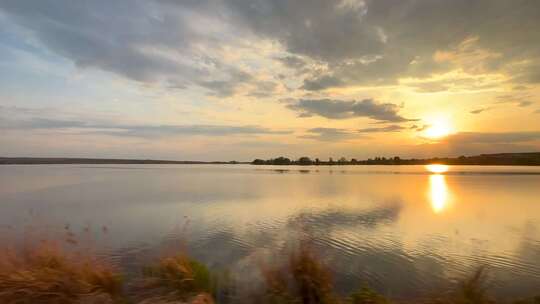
(234, 80)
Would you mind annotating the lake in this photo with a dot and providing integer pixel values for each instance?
(404, 230)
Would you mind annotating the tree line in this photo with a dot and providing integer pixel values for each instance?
(508, 159)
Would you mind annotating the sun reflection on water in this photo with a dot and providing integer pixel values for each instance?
(437, 168)
(438, 189)
(438, 192)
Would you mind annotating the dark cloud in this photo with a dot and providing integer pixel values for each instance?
(294, 62)
(145, 41)
(329, 134)
(226, 87)
(391, 128)
(341, 109)
(360, 42)
(322, 82)
(403, 35)
(318, 29)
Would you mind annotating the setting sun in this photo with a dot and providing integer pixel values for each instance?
(438, 128)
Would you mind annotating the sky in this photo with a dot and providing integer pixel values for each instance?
(245, 79)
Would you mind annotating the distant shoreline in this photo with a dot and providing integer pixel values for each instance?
(499, 159)
(102, 161)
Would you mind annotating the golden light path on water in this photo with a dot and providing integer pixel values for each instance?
(438, 190)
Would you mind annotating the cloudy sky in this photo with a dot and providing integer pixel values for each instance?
(244, 79)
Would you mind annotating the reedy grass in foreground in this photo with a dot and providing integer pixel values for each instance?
(48, 274)
(175, 278)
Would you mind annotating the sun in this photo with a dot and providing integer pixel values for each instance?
(438, 128)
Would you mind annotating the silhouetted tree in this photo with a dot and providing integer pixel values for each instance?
(305, 161)
(281, 161)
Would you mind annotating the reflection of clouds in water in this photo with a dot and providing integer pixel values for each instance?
(355, 257)
(353, 261)
(343, 218)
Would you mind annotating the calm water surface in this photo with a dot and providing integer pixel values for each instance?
(401, 229)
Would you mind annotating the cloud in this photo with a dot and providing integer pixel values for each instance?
(531, 75)
(322, 82)
(464, 138)
(341, 109)
(133, 130)
(420, 128)
(264, 89)
(226, 87)
(521, 100)
(525, 103)
(474, 143)
(480, 110)
(146, 41)
(329, 134)
(344, 38)
(370, 42)
(391, 128)
(295, 62)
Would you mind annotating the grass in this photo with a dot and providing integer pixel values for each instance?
(303, 279)
(47, 274)
(175, 278)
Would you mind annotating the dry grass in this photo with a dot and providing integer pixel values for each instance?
(304, 279)
(47, 274)
(176, 279)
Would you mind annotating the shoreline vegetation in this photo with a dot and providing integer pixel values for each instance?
(46, 272)
(498, 159)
